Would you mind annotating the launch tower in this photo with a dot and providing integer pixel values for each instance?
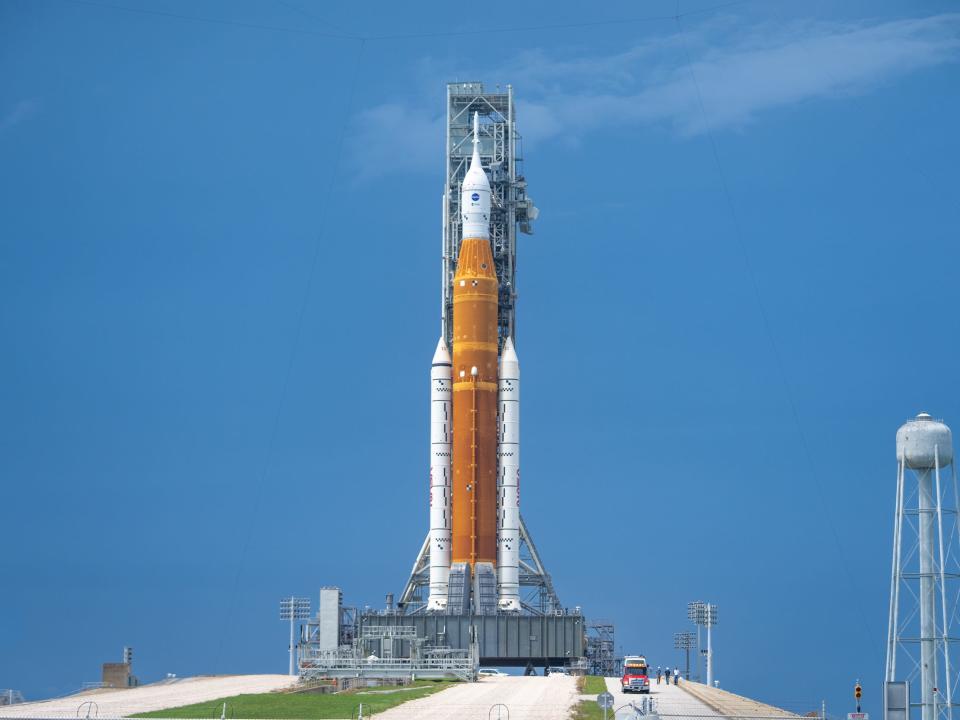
(511, 209)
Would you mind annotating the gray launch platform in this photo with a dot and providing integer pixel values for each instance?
(501, 640)
(342, 642)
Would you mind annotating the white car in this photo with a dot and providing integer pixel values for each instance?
(491, 672)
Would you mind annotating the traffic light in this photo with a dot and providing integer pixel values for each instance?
(857, 691)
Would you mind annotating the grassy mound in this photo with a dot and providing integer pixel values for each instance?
(303, 706)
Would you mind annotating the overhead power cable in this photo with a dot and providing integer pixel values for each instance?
(300, 10)
(412, 35)
(554, 26)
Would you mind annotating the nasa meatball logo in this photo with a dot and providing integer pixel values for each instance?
(475, 197)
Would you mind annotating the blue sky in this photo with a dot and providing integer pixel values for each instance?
(219, 245)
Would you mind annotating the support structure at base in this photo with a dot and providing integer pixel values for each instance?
(537, 594)
(342, 643)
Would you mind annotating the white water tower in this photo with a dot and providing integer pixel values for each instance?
(925, 577)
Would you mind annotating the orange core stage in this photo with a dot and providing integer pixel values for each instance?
(474, 496)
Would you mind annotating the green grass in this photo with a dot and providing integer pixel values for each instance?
(589, 710)
(302, 706)
(594, 685)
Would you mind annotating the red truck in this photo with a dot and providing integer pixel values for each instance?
(636, 675)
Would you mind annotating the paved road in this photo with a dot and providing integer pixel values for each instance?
(726, 703)
(670, 701)
(166, 694)
(526, 698)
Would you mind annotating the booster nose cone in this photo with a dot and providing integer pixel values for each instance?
(509, 354)
(475, 193)
(442, 355)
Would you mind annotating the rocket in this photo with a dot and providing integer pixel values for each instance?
(474, 417)
(474, 467)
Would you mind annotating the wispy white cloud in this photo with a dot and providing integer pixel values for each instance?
(20, 112)
(753, 72)
(395, 135)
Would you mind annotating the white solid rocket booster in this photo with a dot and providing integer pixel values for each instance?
(508, 479)
(441, 420)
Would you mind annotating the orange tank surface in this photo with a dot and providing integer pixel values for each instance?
(474, 496)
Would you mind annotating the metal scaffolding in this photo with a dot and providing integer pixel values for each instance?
(601, 653)
(378, 651)
(389, 652)
(512, 209)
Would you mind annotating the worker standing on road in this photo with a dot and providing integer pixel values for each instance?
(676, 676)
(659, 674)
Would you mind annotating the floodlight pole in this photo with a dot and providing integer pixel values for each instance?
(291, 644)
(699, 655)
(685, 641)
(709, 647)
(705, 614)
(294, 609)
